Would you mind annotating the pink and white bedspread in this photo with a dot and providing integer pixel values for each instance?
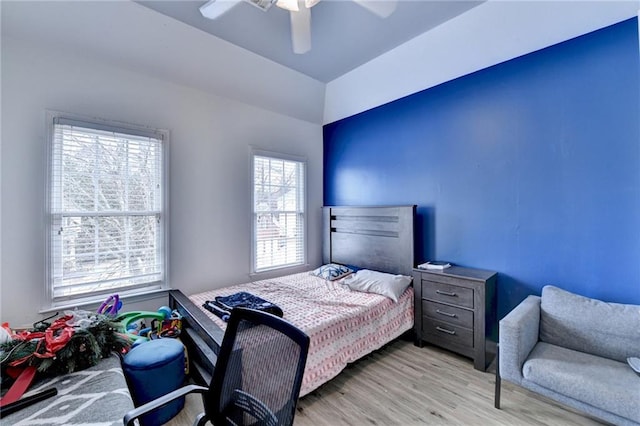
(343, 325)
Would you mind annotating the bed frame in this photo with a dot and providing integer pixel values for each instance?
(377, 237)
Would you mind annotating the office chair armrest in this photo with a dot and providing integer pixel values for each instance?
(159, 402)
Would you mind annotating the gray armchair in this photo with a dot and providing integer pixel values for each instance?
(573, 349)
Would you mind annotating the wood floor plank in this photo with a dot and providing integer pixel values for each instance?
(402, 384)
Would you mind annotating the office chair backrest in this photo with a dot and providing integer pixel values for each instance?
(259, 370)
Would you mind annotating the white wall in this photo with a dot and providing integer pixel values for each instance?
(491, 33)
(119, 60)
(209, 163)
(131, 36)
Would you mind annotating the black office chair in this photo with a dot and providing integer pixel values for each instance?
(257, 377)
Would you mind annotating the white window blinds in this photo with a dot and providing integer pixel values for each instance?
(278, 212)
(106, 210)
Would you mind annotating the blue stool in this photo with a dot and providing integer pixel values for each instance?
(153, 369)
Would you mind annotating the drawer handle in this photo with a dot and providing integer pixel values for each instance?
(446, 314)
(444, 330)
(446, 293)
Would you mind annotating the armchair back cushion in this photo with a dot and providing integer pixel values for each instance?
(610, 330)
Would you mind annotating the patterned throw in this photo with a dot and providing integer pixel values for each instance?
(343, 325)
(95, 396)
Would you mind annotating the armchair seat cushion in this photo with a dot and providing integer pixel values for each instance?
(600, 382)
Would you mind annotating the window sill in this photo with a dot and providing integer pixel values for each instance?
(93, 303)
(278, 272)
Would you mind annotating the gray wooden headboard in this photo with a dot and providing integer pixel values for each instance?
(378, 237)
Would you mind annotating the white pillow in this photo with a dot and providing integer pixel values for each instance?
(389, 285)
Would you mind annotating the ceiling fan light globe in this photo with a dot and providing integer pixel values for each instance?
(216, 8)
(290, 5)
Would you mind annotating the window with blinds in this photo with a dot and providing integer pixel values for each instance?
(278, 212)
(106, 210)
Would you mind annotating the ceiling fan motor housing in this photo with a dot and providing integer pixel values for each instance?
(262, 4)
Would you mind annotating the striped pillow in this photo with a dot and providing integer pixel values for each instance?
(332, 271)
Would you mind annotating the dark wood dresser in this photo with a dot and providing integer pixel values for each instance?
(455, 309)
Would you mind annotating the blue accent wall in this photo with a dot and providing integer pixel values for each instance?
(530, 168)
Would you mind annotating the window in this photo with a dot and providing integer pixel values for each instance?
(278, 212)
(107, 221)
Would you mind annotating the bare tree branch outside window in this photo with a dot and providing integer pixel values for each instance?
(106, 210)
(278, 212)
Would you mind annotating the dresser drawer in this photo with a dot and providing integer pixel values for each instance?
(450, 314)
(447, 293)
(445, 334)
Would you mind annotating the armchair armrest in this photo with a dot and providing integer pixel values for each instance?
(159, 402)
(518, 335)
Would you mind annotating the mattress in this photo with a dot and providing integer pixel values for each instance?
(342, 325)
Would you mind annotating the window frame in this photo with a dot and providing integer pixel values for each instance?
(52, 117)
(255, 152)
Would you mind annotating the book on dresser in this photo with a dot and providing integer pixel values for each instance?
(435, 265)
(455, 308)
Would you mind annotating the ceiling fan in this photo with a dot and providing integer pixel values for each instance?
(300, 14)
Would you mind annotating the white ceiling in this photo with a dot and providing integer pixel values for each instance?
(126, 36)
(344, 35)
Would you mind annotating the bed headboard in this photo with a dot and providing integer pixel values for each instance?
(378, 237)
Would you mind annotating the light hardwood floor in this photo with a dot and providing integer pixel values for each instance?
(402, 384)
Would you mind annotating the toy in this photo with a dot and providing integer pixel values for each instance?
(166, 311)
(111, 306)
(171, 325)
(128, 320)
(164, 323)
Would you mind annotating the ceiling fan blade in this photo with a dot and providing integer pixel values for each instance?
(382, 8)
(215, 8)
(301, 30)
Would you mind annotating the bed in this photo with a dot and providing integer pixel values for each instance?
(343, 325)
